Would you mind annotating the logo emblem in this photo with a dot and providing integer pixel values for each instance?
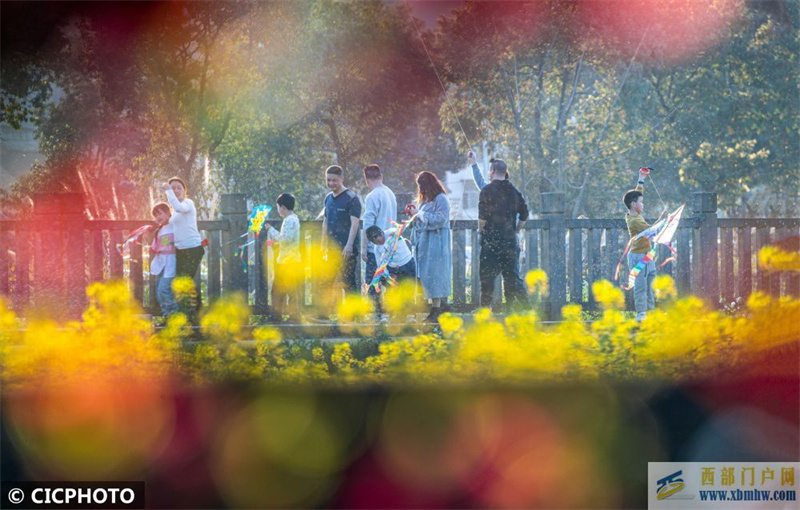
(670, 485)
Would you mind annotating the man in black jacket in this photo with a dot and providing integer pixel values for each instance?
(499, 204)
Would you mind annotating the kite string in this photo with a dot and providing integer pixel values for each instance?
(447, 98)
(656, 190)
(441, 83)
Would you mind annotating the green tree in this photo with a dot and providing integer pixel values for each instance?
(344, 83)
(736, 116)
(524, 85)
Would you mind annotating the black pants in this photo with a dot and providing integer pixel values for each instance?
(501, 258)
(187, 262)
(407, 271)
(404, 272)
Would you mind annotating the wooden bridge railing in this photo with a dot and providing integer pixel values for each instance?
(48, 260)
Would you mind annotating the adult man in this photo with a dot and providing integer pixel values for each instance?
(380, 208)
(480, 183)
(499, 204)
(342, 210)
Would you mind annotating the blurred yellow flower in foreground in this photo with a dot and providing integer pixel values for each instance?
(608, 295)
(450, 323)
(93, 403)
(183, 287)
(226, 318)
(681, 338)
(536, 280)
(323, 265)
(401, 300)
(95, 400)
(664, 287)
(482, 315)
(353, 311)
(776, 259)
(354, 306)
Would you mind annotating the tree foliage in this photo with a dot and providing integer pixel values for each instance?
(259, 97)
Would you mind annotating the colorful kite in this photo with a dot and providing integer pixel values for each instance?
(256, 222)
(257, 218)
(661, 232)
(123, 247)
(382, 273)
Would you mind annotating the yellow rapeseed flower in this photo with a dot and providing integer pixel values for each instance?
(8, 319)
(267, 334)
(323, 265)
(289, 276)
(352, 310)
(226, 318)
(571, 312)
(482, 315)
(775, 259)
(536, 281)
(682, 338)
(346, 365)
(450, 323)
(183, 287)
(609, 296)
(664, 287)
(758, 301)
(401, 301)
(354, 306)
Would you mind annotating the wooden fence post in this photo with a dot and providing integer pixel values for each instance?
(60, 255)
(704, 207)
(553, 210)
(73, 207)
(233, 209)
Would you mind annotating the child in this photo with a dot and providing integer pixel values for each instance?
(163, 261)
(643, 296)
(288, 270)
(402, 265)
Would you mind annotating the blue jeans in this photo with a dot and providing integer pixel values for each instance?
(164, 295)
(643, 297)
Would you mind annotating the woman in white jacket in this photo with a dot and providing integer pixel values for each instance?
(188, 242)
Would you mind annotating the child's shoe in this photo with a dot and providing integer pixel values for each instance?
(433, 316)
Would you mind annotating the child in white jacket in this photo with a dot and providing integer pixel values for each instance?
(163, 259)
(288, 269)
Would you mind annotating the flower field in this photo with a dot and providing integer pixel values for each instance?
(489, 411)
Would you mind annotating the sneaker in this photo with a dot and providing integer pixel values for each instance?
(433, 316)
(640, 316)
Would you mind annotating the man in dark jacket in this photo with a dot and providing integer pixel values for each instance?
(499, 205)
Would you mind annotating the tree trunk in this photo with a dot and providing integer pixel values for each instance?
(341, 151)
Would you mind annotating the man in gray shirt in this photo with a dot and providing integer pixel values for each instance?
(380, 208)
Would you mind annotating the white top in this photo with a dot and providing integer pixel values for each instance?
(380, 208)
(288, 238)
(401, 257)
(162, 253)
(184, 222)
